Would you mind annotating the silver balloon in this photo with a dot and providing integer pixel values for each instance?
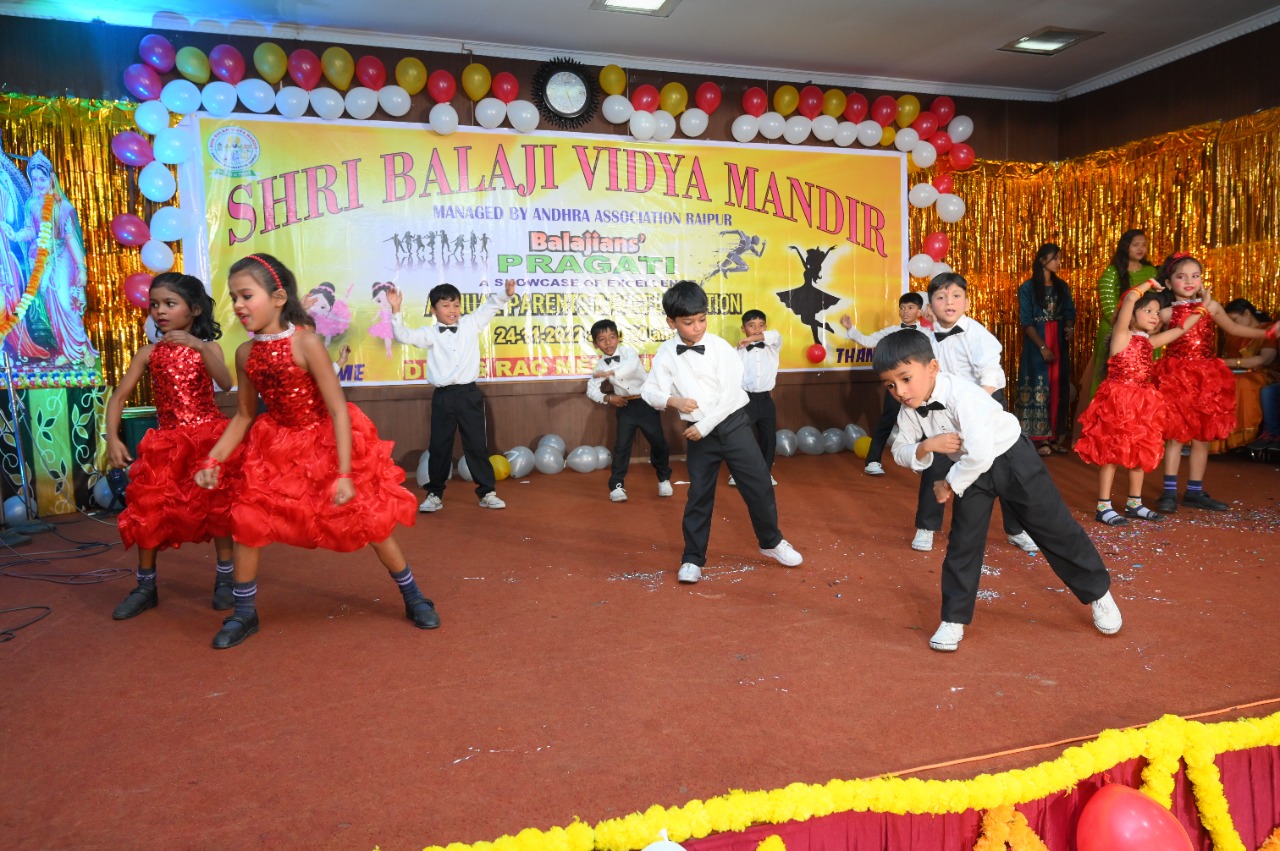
(464, 470)
(851, 434)
(809, 441)
(832, 440)
(786, 442)
(548, 460)
(521, 461)
(424, 475)
(604, 458)
(552, 440)
(582, 459)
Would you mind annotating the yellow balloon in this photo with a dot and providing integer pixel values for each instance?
(674, 98)
(887, 134)
(411, 75)
(786, 99)
(270, 61)
(833, 103)
(501, 467)
(862, 446)
(476, 80)
(613, 80)
(908, 109)
(338, 67)
(193, 64)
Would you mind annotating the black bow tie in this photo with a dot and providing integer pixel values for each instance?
(681, 349)
(924, 410)
(613, 359)
(905, 325)
(942, 335)
(452, 329)
(751, 346)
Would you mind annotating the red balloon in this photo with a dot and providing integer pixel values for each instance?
(884, 110)
(132, 148)
(943, 107)
(941, 141)
(157, 52)
(142, 81)
(441, 86)
(645, 98)
(128, 229)
(936, 245)
(505, 86)
(810, 102)
(855, 107)
(961, 156)
(944, 183)
(755, 101)
(304, 68)
(371, 73)
(708, 97)
(926, 124)
(816, 353)
(226, 63)
(137, 289)
(1118, 818)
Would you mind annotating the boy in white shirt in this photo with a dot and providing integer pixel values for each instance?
(453, 365)
(760, 350)
(621, 367)
(945, 414)
(700, 375)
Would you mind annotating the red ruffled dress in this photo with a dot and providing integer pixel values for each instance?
(290, 467)
(166, 507)
(1198, 389)
(1125, 422)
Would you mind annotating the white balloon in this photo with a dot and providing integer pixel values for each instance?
(745, 127)
(256, 95)
(693, 122)
(327, 103)
(172, 145)
(463, 469)
(950, 207)
(361, 102)
(869, 133)
(846, 133)
(523, 116)
(151, 117)
(939, 268)
(824, 128)
(922, 194)
(920, 266)
(490, 112)
(604, 458)
(168, 224)
(960, 128)
(772, 125)
(394, 100)
(797, 129)
(156, 182)
(642, 125)
(219, 98)
(924, 154)
(443, 119)
(157, 256)
(180, 96)
(905, 139)
(617, 109)
(149, 328)
(664, 125)
(291, 101)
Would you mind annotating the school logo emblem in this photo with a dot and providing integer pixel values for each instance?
(235, 149)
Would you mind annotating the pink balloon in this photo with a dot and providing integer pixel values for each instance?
(855, 107)
(943, 107)
(132, 148)
(137, 289)
(157, 52)
(226, 63)
(142, 81)
(1118, 818)
(128, 229)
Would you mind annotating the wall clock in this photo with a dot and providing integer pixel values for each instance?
(564, 93)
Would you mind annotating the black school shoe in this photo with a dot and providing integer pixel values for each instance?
(223, 596)
(139, 600)
(235, 630)
(1203, 500)
(1167, 505)
(422, 613)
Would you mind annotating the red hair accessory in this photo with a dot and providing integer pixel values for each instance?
(270, 271)
(1179, 255)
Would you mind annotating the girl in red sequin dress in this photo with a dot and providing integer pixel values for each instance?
(1199, 390)
(315, 473)
(1124, 424)
(165, 508)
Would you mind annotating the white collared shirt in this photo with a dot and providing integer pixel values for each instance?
(760, 365)
(713, 379)
(986, 429)
(871, 340)
(973, 353)
(628, 375)
(453, 357)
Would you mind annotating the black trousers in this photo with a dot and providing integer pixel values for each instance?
(454, 408)
(1020, 480)
(732, 443)
(762, 415)
(884, 427)
(637, 415)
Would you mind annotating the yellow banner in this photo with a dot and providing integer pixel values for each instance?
(590, 227)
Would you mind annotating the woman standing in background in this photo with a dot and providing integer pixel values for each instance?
(1047, 316)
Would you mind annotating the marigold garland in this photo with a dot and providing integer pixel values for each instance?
(1005, 826)
(1273, 841)
(773, 843)
(33, 284)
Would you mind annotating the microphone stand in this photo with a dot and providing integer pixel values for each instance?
(20, 532)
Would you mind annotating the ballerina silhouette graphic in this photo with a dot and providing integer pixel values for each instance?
(807, 300)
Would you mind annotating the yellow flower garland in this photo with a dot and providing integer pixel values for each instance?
(1163, 744)
(33, 284)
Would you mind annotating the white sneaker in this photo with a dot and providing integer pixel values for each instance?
(732, 483)
(1106, 614)
(664, 489)
(490, 500)
(875, 468)
(1023, 541)
(948, 637)
(784, 554)
(689, 573)
(431, 503)
(618, 494)
(773, 481)
(923, 541)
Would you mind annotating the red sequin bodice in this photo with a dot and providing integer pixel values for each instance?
(1133, 365)
(1198, 343)
(181, 386)
(289, 392)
